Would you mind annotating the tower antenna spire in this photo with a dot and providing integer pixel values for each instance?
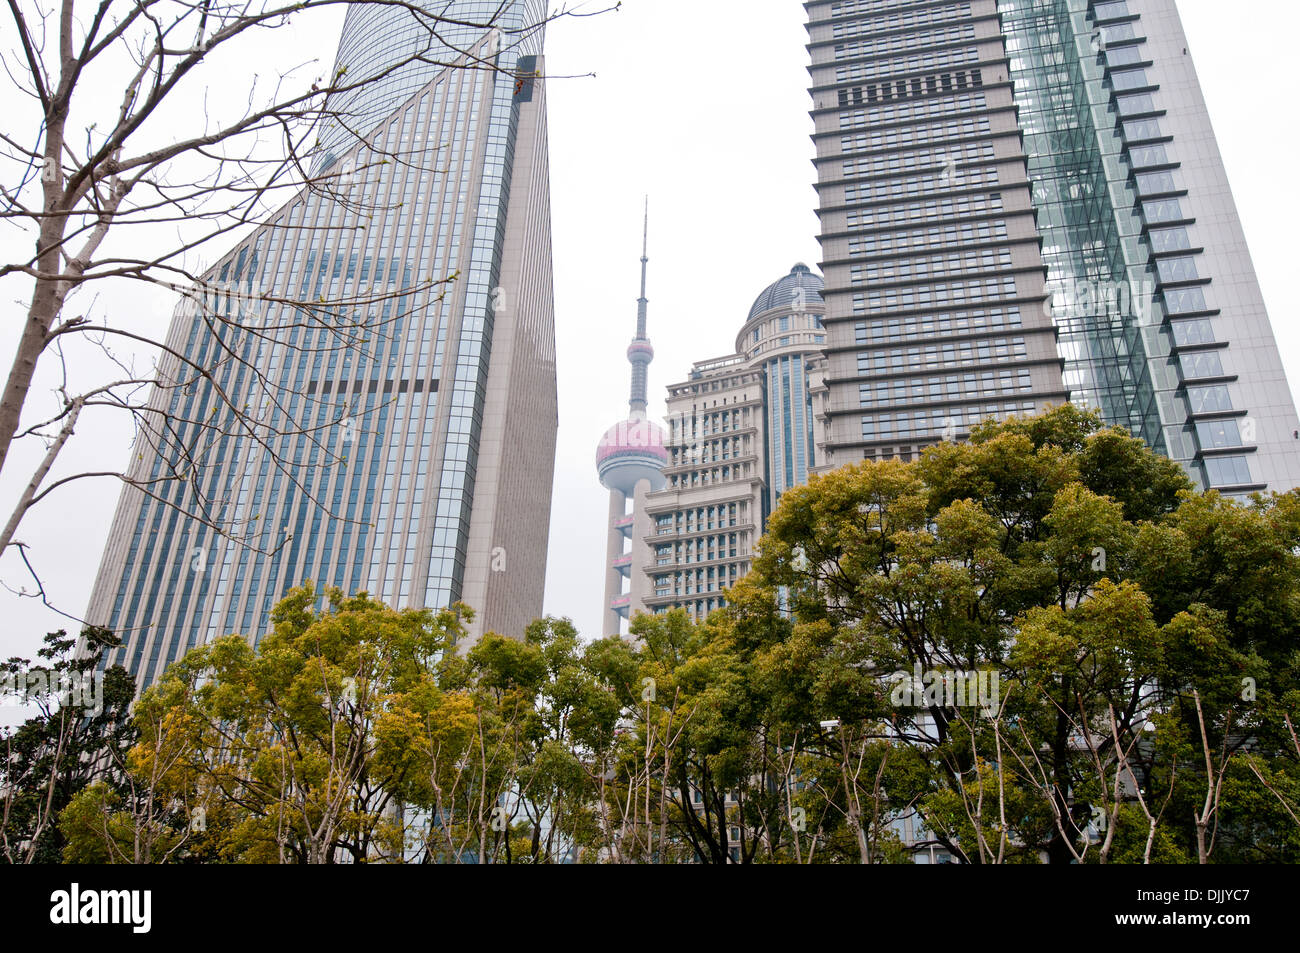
(645, 251)
(640, 354)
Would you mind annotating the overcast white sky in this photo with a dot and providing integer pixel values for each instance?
(702, 104)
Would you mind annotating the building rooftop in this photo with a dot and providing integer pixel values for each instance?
(783, 292)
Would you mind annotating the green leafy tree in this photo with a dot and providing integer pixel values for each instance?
(79, 736)
(1144, 635)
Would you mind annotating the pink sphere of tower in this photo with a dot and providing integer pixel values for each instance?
(631, 451)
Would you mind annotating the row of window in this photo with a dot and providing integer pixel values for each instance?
(983, 351)
(686, 428)
(949, 387)
(907, 135)
(851, 7)
(710, 451)
(959, 322)
(893, 43)
(703, 517)
(708, 477)
(946, 208)
(966, 233)
(944, 180)
(980, 259)
(942, 156)
(692, 547)
(938, 422)
(700, 556)
(914, 109)
(903, 89)
(910, 64)
(899, 21)
(694, 586)
(937, 295)
(931, 85)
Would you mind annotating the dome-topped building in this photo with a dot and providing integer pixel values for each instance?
(745, 428)
(800, 287)
(785, 338)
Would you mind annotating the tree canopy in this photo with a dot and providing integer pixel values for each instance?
(1043, 645)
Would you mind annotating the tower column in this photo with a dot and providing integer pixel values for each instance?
(611, 618)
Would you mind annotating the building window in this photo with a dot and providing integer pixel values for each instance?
(1209, 399)
(1132, 105)
(1130, 79)
(1201, 364)
(1185, 300)
(1170, 239)
(1136, 130)
(1156, 183)
(1123, 56)
(1144, 156)
(1162, 210)
(1228, 471)
(1197, 331)
(1177, 269)
(1217, 434)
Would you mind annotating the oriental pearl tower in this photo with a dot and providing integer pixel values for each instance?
(630, 460)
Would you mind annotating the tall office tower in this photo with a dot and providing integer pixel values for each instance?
(967, 151)
(401, 436)
(742, 431)
(630, 460)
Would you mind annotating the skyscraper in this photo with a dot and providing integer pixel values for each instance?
(400, 436)
(741, 431)
(630, 459)
(1022, 199)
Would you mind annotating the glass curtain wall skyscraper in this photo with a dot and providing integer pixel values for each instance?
(401, 435)
(1009, 185)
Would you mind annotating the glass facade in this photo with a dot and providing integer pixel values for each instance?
(356, 463)
(1101, 291)
(386, 53)
(967, 151)
(791, 427)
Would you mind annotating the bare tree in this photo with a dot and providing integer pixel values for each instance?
(1253, 762)
(1207, 816)
(139, 188)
